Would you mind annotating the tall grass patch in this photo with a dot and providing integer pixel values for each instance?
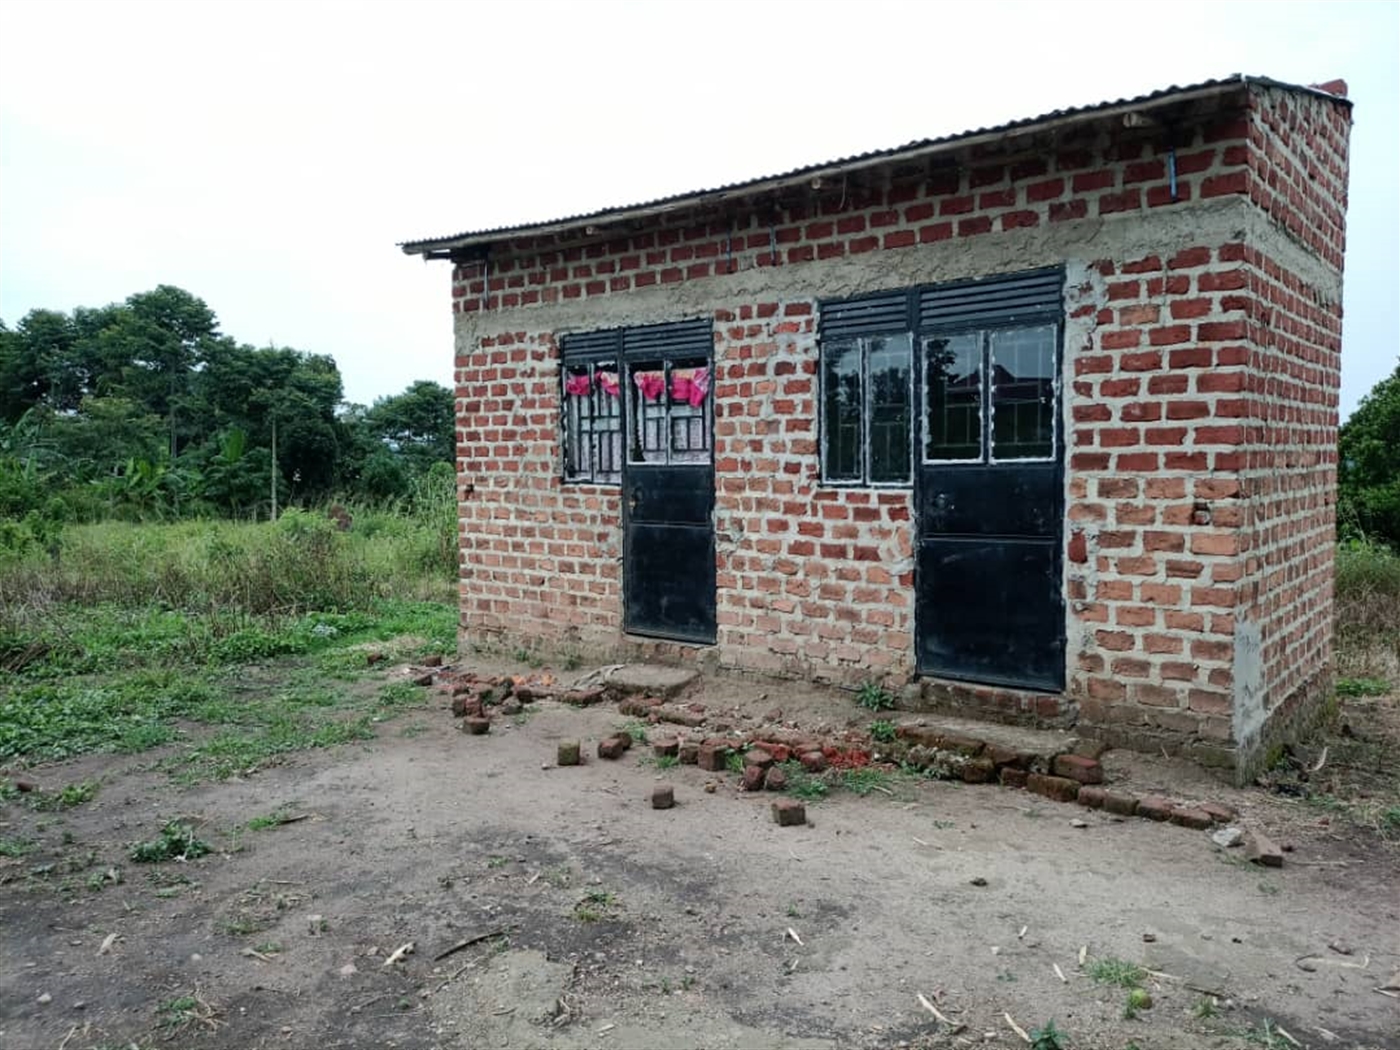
(1368, 612)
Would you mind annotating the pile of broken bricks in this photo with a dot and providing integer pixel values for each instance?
(759, 769)
(1067, 776)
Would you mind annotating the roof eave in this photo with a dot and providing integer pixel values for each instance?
(457, 245)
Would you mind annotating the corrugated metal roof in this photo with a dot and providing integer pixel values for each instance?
(843, 164)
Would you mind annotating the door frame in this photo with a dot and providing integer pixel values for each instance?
(1055, 464)
(665, 343)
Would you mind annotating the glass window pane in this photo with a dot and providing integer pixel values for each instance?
(1023, 393)
(841, 412)
(646, 394)
(953, 386)
(688, 397)
(889, 360)
(592, 422)
(578, 421)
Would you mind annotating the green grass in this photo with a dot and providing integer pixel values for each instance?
(809, 787)
(268, 820)
(874, 697)
(233, 686)
(1048, 1037)
(864, 781)
(16, 846)
(176, 842)
(666, 761)
(883, 731)
(1117, 971)
(1352, 687)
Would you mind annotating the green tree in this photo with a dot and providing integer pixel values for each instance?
(418, 424)
(1368, 476)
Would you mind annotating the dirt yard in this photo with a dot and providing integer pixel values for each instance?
(553, 907)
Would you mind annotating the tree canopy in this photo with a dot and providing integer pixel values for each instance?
(1368, 473)
(146, 407)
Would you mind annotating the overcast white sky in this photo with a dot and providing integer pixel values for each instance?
(267, 157)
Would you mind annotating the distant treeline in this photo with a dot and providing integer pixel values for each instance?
(145, 410)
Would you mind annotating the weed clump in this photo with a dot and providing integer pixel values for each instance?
(177, 841)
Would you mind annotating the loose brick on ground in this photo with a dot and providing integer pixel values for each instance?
(777, 779)
(979, 771)
(1219, 812)
(758, 757)
(690, 754)
(1191, 817)
(666, 746)
(1120, 804)
(754, 777)
(1155, 807)
(1093, 797)
(663, 796)
(789, 812)
(570, 753)
(711, 755)
(611, 748)
(813, 761)
(1013, 777)
(1061, 789)
(1077, 767)
(477, 726)
(1262, 850)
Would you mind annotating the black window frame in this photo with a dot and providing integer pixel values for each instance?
(619, 350)
(975, 307)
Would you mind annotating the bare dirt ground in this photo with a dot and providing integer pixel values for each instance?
(596, 921)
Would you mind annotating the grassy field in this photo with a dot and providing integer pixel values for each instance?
(233, 642)
(226, 645)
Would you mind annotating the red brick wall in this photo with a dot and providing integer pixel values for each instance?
(1199, 374)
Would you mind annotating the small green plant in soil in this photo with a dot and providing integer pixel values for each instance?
(637, 731)
(883, 731)
(1206, 1008)
(176, 842)
(14, 846)
(1117, 971)
(1048, 1037)
(734, 761)
(241, 926)
(1137, 1001)
(864, 781)
(666, 761)
(269, 820)
(804, 785)
(1362, 687)
(1266, 1034)
(874, 697)
(594, 905)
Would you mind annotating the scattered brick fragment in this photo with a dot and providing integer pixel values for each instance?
(789, 812)
(1077, 767)
(1061, 789)
(611, 748)
(1155, 807)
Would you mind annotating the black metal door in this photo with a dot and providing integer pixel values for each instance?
(668, 483)
(989, 492)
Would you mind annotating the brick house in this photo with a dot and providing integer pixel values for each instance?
(1039, 418)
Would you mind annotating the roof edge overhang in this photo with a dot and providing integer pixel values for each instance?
(471, 243)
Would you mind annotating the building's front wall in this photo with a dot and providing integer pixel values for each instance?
(1171, 482)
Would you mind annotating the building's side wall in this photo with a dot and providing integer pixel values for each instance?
(818, 581)
(1298, 177)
